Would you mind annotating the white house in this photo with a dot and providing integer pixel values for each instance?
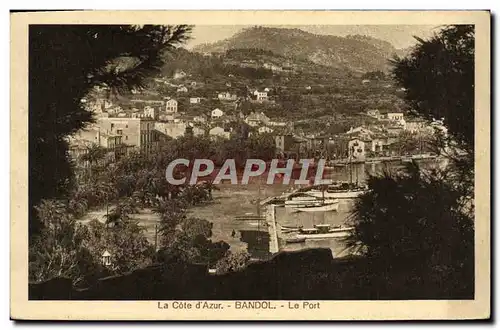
(272, 67)
(171, 106)
(217, 113)
(395, 116)
(356, 149)
(195, 100)
(220, 132)
(150, 112)
(360, 130)
(374, 113)
(255, 119)
(179, 74)
(267, 90)
(227, 96)
(182, 89)
(265, 129)
(260, 96)
(166, 117)
(365, 81)
(114, 110)
(377, 145)
(415, 125)
(277, 123)
(171, 129)
(199, 119)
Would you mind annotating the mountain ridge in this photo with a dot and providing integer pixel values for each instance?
(358, 53)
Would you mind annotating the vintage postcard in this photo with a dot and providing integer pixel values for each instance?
(250, 165)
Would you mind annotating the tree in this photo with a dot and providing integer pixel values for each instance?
(119, 216)
(232, 262)
(189, 242)
(421, 222)
(58, 251)
(128, 246)
(416, 220)
(412, 143)
(95, 153)
(65, 63)
(438, 77)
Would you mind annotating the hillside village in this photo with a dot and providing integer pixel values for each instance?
(310, 110)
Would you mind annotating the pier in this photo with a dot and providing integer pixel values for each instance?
(272, 228)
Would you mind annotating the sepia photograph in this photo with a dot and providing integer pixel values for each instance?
(264, 166)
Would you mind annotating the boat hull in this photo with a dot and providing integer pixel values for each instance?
(321, 208)
(295, 240)
(337, 194)
(303, 202)
(250, 218)
(334, 233)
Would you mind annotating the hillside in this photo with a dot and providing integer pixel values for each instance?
(356, 53)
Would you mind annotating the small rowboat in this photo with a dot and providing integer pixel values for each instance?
(294, 240)
(326, 206)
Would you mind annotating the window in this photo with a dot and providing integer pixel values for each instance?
(112, 125)
(119, 131)
(126, 126)
(106, 260)
(126, 137)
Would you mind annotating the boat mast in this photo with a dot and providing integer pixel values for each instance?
(357, 175)
(323, 193)
(258, 208)
(350, 166)
(258, 198)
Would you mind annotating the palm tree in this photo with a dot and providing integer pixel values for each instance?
(78, 205)
(120, 214)
(94, 154)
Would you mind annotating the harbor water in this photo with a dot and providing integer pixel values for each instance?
(231, 201)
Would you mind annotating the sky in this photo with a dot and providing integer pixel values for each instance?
(401, 36)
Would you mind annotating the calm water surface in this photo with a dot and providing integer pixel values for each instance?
(236, 200)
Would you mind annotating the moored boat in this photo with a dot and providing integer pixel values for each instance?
(348, 193)
(338, 234)
(301, 201)
(324, 231)
(322, 206)
(294, 240)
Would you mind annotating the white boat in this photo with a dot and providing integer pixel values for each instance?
(350, 193)
(294, 240)
(323, 236)
(301, 201)
(324, 231)
(322, 206)
(312, 203)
